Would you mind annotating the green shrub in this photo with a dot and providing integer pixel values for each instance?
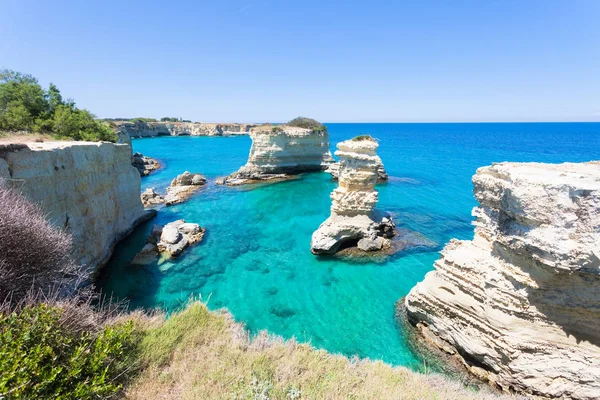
(307, 123)
(26, 107)
(362, 137)
(41, 358)
(143, 119)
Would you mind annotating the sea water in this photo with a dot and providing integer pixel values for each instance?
(255, 259)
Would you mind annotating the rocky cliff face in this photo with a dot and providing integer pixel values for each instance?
(353, 202)
(277, 152)
(153, 129)
(89, 189)
(520, 302)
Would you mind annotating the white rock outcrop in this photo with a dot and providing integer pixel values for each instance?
(169, 240)
(182, 187)
(352, 219)
(283, 151)
(334, 170)
(141, 129)
(90, 190)
(520, 303)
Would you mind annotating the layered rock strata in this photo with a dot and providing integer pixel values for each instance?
(145, 165)
(520, 303)
(352, 221)
(169, 241)
(280, 152)
(90, 190)
(334, 170)
(140, 129)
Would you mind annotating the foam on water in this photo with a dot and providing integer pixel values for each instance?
(255, 258)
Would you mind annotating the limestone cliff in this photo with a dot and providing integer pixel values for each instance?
(89, 189)
(278, 152)
(353, 203)
(140, 129)
(521, 301)
(334, 170)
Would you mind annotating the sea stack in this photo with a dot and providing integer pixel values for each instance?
(352, 222)
(282, 151)
(520, 303)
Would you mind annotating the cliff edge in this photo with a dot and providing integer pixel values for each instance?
(520, 303)
(89, 189)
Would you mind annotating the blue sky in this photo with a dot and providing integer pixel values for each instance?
(254, 61)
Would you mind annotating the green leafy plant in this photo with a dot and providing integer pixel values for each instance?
(362, 137)
(26, 107)
(40, 357)
(307, 123)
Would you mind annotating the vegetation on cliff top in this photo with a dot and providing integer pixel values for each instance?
(360, 138)
(25, 107)
(307, 123)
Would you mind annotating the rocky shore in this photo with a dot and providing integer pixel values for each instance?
(353, 222)
(141, 129)
(519, 303)
(280, 152)
(145, 165)
(180, 189)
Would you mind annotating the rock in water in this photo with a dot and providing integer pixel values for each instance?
(151, 198)
(170, 240)
(521, 301)
(279, 152)
(182, 187)
(145, 165)
(352, 221)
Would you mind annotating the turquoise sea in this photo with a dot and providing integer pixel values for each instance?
(255, 257)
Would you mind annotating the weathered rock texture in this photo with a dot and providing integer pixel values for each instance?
(281, 152)
(145, 165)
(182, 187)
(89, 189)
(141, 129)
(169, 241)
(334, 170)
(352, 221)
(521, 301)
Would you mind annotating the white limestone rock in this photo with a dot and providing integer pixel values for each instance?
(151, 198)
(182, 187)
(169, 241)
(145, 165)
(142, 129)
(89, 189)
(280, 152)
(521, 301)
(352, 217)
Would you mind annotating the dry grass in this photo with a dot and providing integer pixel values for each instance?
(9, 137)
(199, 354)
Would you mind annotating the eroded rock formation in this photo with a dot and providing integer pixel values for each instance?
(283, 151)
(353, 221)
(334, 170)
(140, 129)
(90, 190)
(181, 188)
(169, 241)
(145, 165)
(520, 303)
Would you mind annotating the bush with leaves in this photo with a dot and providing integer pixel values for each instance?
(40, 357)
(26, 107)
(307, 123)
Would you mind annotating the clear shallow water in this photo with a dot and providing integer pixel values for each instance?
(255, 257)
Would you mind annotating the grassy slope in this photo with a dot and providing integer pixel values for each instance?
(199, 354)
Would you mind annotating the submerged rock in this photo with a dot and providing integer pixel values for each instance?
(520, 303)
(145, 165)
(169, 240)
(352, 221)
(279, 152)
